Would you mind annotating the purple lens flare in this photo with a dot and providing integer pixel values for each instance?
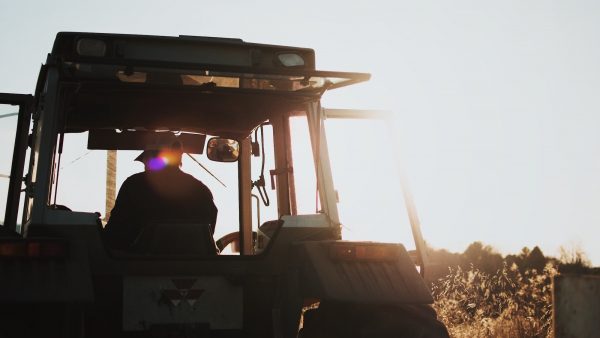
(157, 163)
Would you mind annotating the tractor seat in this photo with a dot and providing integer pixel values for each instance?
(174, 238)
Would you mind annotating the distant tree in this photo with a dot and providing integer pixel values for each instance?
(518, 259)
(482, 257)
(535, 260)
(528, 259)
(513, 259)
(441, 261)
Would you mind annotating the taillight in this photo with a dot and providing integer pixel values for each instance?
(33, 248)
(14, 249)
(360, 251)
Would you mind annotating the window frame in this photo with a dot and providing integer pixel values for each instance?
(25, 104)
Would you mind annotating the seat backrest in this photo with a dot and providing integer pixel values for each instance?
(174, 238)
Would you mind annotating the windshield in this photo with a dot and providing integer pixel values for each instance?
(85, 171)
(365, 165)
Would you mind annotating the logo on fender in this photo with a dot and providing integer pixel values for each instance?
(183, 291)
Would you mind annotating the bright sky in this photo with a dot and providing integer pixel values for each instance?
(497, 103)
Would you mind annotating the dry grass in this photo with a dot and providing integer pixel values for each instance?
(506, 304)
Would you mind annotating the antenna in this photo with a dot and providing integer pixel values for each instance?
(203, 167)
(8, 115)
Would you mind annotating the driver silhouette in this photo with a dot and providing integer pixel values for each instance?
(161, 193)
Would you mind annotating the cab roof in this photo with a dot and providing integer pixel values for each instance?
(212, 85)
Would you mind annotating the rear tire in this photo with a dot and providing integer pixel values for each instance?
(350, 320)
(34, 320)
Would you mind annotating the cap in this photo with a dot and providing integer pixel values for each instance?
(147, 154)
(154, 150)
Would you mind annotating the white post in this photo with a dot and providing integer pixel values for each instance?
(111, 182)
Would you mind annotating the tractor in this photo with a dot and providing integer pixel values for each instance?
(272, 269)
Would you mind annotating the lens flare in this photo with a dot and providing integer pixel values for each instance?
(157, 163)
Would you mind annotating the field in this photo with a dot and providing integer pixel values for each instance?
(508, 303)
(481, 293)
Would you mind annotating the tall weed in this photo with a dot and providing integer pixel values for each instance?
(506, 304)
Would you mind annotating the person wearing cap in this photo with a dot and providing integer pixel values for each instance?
(162, 192)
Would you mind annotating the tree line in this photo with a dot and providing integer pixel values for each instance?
(486, 259)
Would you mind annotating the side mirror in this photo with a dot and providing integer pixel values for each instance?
(222, 149)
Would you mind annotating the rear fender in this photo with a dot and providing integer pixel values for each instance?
(362, 272)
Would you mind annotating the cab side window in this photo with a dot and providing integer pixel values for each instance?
(8, 131)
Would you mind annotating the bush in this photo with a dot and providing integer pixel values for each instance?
(473, 303)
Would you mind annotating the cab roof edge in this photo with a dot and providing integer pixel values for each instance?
(210, 38)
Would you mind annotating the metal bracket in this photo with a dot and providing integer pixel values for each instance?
(275, 172)
(30, 189)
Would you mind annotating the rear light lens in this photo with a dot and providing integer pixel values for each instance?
(363, 252)
(14, 249)
(291, 59)
(35, 248)
(91, 47)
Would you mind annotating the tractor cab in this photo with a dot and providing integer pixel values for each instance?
(125, 93)
(239, 111)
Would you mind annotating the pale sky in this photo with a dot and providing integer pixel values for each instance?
(496, 102)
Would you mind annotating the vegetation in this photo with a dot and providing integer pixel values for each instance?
(473, 303)
(482, 294)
